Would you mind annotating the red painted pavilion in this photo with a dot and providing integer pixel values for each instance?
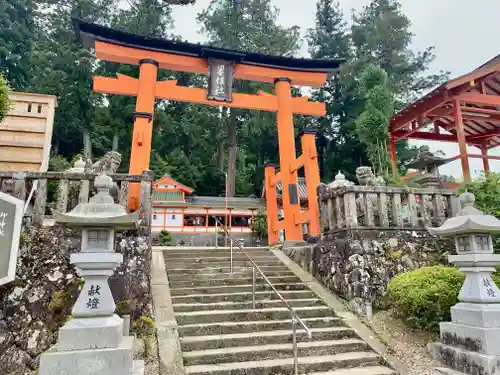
(464, 110)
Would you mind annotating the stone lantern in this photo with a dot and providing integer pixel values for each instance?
(470, 342)
(428, 163)
(93, 341)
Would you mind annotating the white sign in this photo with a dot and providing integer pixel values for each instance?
(11, 217)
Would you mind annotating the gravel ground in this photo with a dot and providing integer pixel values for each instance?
(408, 345)
(149, 353)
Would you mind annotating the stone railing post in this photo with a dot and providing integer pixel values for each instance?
(469, 343)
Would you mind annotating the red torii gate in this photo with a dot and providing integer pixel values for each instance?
(466, 108)
(222, 66)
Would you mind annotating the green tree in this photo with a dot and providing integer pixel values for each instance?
(17, 34)
(259, 224)
(62, 67)
(247, 25)
(380, 35)
(4, 98)
(373, 123)
(330, 38)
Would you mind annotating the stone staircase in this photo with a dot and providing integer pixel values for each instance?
(221, 334)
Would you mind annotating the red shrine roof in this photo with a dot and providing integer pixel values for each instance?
(479, 96)
(167, 180)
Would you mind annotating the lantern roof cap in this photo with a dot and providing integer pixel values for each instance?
(468, 220)
(100, 211)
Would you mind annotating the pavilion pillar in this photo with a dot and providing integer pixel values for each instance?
(486, 162)
(462, 144)
(143, 127)
(286, 142)
(271, 204)
(394, 160)
(311, 170)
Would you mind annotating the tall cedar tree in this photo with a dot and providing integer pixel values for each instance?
(17, 34)
(246, 25)
(380, 35)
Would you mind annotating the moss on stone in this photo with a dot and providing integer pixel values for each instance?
(59, 300)
(123, 307)
(144, 326)
(395, 255)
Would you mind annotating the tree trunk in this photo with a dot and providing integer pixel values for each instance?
(220, 156)
(231, 163)
(115, 142)
(87, 146)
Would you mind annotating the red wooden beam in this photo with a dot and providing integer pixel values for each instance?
(420, 108)
(427, 136)
(475, 98)
(433, 136)
(490, 157)
(493, 113)
(485, 136)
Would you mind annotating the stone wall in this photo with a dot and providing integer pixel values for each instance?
(359, 264)
(39, 301)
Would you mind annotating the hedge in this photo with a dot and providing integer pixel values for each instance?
(423, 297)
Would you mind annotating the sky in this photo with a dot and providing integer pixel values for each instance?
(463, 32)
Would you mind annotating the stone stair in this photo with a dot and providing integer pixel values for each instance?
(221, 334)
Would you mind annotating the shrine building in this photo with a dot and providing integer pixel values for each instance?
(177, 210)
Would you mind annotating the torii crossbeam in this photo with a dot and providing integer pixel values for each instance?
(221, 66)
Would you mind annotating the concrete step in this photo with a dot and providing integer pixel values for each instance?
(204, 263)
(259, 304)
(190, 343)
(211, 316)
(220, 328)
(270, 351)
(205, 249)
(243, 297)
(370, 370)
(235, 289)
(285, 366)
(210, 258)
(246, 272)
(234, 280)
(214, 253)
(181, 270)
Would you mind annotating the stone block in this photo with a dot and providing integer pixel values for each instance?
(475, 339)
(110, 361)
(477, 315)
(463, 360)
(91, 333)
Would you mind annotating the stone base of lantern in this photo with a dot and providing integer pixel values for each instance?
(92, 346)
(465, 361)
(476, 339)
(478, 315)
(95, 333)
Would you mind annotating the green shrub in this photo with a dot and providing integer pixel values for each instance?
(423, 297)
(165, 239)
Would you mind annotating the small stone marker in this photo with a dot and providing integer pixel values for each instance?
(11, 217)
(92, 343)
(470, 342)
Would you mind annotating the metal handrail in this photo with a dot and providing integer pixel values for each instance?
(295, 317)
